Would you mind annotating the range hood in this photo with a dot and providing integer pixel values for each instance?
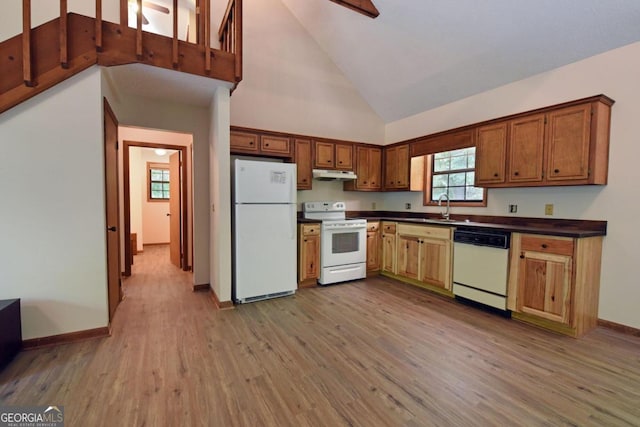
(332, 175)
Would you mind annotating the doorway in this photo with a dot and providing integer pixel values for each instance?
(156, 192)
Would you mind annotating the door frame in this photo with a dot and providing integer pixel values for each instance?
(185, 238)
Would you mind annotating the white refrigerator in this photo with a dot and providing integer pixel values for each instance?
(264, 230)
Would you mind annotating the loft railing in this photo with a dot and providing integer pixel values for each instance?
(230, 34)
(41, 57)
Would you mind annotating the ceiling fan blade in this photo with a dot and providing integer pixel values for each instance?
(156, 7)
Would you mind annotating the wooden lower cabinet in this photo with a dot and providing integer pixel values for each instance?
(425, 254)
(388, 230)
(554, 281)
(373, 246)
(308, 254)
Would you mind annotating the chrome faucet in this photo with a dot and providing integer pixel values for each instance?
(445, 214)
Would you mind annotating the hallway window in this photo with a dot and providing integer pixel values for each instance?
(158, 181)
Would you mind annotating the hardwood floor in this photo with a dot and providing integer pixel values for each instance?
(367, 353)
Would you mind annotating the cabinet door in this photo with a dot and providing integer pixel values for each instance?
(243, 142)
(389, 252)
(544, 284)
(435, 262)
(363, 182)
(402, 168)
(275, 145)
(373, 250)
(526, 142)
(309, 257)
(303, 163)
(409, 256)
(324, 155)
(375, 168)
(568, 143)
(491, 154)
(344, 156)
(390, 167)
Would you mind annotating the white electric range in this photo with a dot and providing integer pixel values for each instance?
(343, 242)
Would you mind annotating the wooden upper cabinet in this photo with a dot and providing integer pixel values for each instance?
(275, 144)
(324, 155)
(258, 143)
(491, 154)
(568, 143)
(526, 154)
(303, 163)
(397, 164)
(244, 142)
(344, 156)
(368, 168)
(333, 155)
(562, 145)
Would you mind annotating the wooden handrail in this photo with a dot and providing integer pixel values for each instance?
(207, 35)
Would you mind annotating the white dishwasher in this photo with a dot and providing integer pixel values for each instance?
(481, 265)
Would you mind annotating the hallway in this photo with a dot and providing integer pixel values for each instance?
(372, 353)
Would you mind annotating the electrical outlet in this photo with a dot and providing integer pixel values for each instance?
(407, 205)
(548, 209)
(373, 206)
(513, 208)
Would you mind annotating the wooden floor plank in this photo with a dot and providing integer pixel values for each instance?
(371, 353)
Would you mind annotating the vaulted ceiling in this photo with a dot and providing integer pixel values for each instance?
(421, 54)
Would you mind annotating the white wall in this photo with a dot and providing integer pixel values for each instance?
(53, 246)
(136, 192)
(45, 10)
(154, 220)
(220, 196)
(614, 73)
(291, 85)
(144, 120)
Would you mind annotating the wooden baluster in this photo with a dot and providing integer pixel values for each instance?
(207, 35)
(64, 25)
(139, 30)
(124, 13)
(99, 25)
(237, 38)
(174, 53)
(26, 43)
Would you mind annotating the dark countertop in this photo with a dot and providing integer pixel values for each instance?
(552, 227)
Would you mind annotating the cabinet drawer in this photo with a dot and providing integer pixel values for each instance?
(244, 141)
(275, 144)
(373, 226)
(546, 244)
(389, 227)
(425, 231)
(311, 229)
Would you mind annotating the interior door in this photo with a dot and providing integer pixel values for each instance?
(112, 207)
(175, 219)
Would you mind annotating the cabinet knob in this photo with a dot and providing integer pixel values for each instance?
(556, 171)
(365, 182)
(304, 179)
(373, 182)
(544, 246)
(516, 173)
(495, 175)
(266, 145)
(553, 297)
(251, 143)
(305, 240)
(521, 256)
